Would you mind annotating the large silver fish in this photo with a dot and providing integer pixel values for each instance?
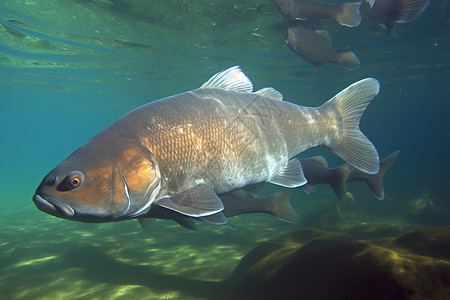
(181, 152)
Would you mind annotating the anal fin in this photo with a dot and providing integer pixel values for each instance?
(291, 176)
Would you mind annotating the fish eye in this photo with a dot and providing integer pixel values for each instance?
(73, 180)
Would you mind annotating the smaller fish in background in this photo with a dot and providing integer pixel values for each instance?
(388, 12)
(315, 47)
(346, 14)
(239, 202)
(375, 181)
(243, 201)
(317, 172)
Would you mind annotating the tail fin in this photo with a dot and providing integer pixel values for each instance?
(349, 15)
(281, 207)
(349, 60)
(354, 147)
(411, 10)
(375, 182)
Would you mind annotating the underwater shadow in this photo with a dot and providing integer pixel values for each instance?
(99, 267)
(359, 262)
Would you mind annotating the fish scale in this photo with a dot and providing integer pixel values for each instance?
(205, 148)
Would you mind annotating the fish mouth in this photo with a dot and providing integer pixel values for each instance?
(53, 206)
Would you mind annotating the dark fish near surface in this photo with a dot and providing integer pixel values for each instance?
(346, 14)
(235, 203)
(315, 47)
(388, 12)
(181, 152)
(317, 172)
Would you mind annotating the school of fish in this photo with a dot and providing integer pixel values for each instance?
(308, 39)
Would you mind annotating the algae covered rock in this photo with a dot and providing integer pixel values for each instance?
(422, 209)
(314, 264)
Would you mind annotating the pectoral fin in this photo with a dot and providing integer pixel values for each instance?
(291, 175)
(198, 201)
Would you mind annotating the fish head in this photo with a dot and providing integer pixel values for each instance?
(285, 7)
(280, 5)
(101, 184)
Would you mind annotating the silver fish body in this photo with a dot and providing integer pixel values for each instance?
(181, 152)
(228, 139)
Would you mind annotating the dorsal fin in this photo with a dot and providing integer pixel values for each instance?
(232, 79)
(270, 93)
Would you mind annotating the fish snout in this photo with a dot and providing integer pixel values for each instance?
(52, 181)
(53, 206)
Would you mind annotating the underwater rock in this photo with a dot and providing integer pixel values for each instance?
(433, 242)
(314, 264)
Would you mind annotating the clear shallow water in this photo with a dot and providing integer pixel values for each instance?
(70, 68)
